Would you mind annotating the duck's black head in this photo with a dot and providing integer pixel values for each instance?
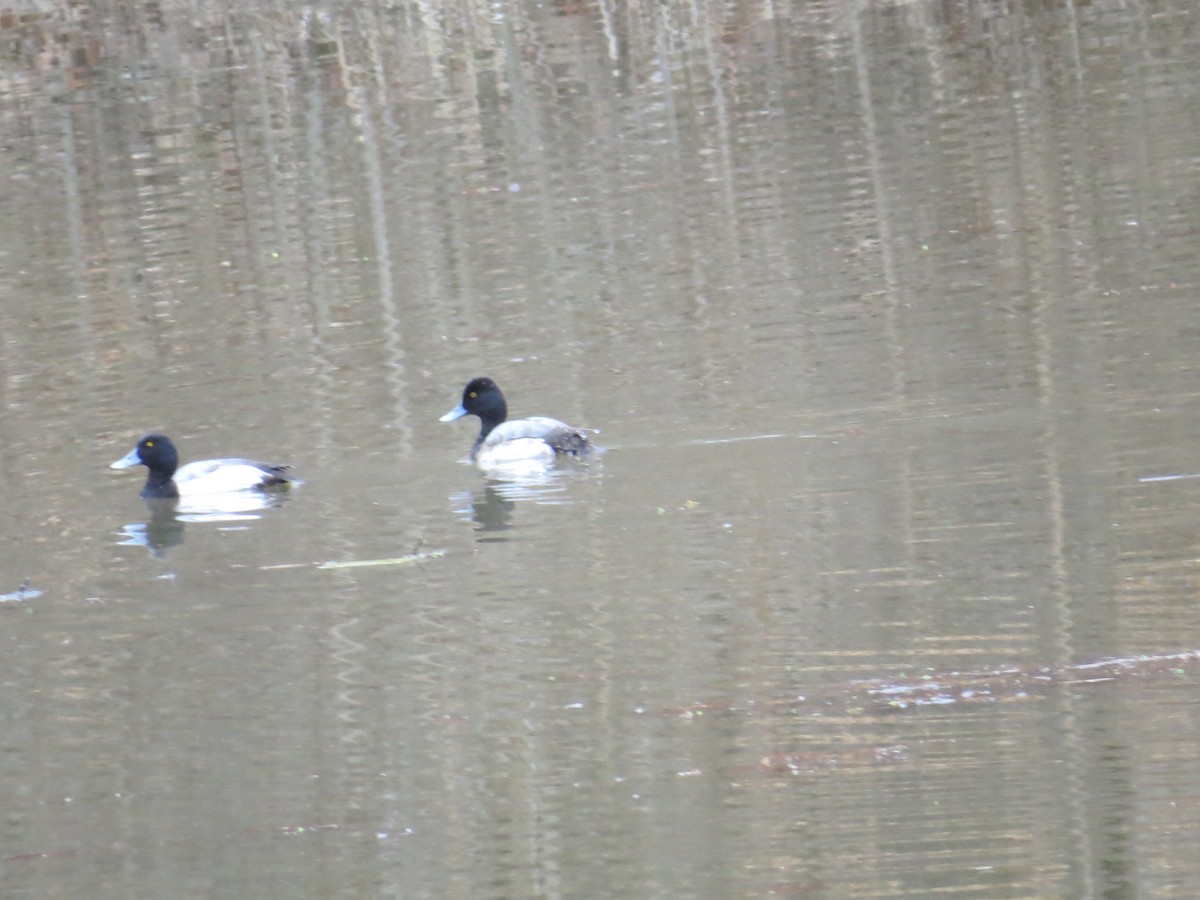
(158, 454)
(481, 397)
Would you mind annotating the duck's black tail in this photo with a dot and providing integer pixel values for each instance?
(573, 443)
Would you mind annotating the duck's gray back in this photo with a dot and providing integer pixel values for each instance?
(559, 435)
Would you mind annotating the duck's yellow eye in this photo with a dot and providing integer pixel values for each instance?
(472, 395)
(149, 443)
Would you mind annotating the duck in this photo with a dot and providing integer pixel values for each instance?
(503, 441)
(170, 481)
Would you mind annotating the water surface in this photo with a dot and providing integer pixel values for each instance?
(883, 313)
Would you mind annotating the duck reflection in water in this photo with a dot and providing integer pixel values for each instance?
(492, 507)
(160, 534)
(489, 509)
(168, 516)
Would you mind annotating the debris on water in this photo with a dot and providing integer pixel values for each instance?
(21, 594)
(297, 830)
(407, 560)
(1010, 684)
(802, 762)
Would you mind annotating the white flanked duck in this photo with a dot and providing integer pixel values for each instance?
(169, 481)
(503, 441)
